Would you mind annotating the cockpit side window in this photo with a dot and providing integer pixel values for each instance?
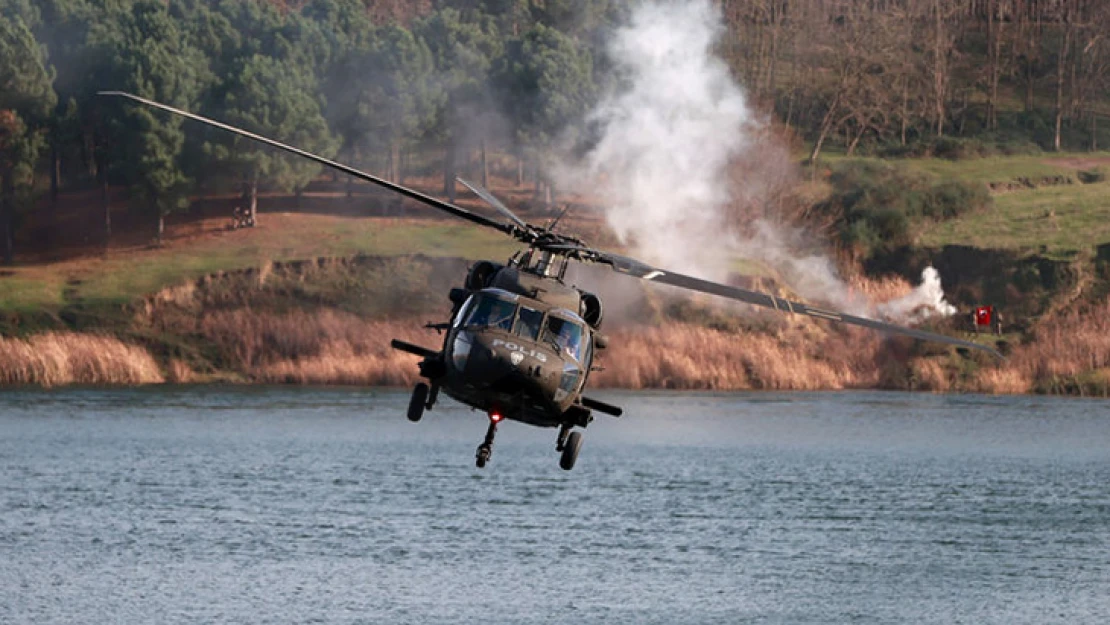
(464, 311)
(566, 334)
(491, 312)
(529, 323)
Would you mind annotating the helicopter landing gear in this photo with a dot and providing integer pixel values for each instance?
(433, 395)
(418, 402)
(485, 450)
(561, 441)
(570, 451)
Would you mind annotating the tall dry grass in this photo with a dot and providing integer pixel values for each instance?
(248, 321)
(334, 347)
(680, 356)
(1067, 354)
(320, 347)
(56, 358)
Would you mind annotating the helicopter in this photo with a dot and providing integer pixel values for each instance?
(520, 343)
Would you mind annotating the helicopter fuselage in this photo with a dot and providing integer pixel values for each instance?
(519, 345)
(517, 357)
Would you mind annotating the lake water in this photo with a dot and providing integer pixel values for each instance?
(228, 505)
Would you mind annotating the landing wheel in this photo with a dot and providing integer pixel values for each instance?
(485, 450)
(418, 401)
(570, 451)
(561, 441)
(482, 457)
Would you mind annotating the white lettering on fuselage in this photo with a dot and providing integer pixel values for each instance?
(515, 347)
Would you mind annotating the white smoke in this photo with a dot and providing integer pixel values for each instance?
(923, 302)
(669, 132)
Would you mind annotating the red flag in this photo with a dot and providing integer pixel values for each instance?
(983, 315)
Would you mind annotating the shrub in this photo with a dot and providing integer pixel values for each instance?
(874, 203)
(950, 199)
(1091, 176)
(954, 149)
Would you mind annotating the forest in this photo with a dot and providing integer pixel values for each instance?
(401, 87)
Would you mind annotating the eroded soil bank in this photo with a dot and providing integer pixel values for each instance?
(329, 321)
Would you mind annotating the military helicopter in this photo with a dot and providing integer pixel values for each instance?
(520, 343)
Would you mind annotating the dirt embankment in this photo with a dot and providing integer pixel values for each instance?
(330, 322)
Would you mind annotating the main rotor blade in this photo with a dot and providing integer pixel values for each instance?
(492, 200)
(405, 191)
(633, 267)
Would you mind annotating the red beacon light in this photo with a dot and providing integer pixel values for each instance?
(495, 416)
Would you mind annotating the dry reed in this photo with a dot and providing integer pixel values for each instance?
(322, 347)
(56, 358)
(179, 372)
(333, 347)
(881, 289)
(1001, 381)
(931, 374)
(680, 356)
(1065, 348)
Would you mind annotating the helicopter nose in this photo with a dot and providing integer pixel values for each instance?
(492, 358)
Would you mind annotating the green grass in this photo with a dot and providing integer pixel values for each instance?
(122, 277)
(994, 169)
(31, 291)
(1057, 220)
(1019, 220)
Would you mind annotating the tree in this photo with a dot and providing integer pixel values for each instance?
(546, 81)
(149, 56)
(462, 51)
(940, 18)
(1067, 17)
(381, 93)
(265, 96)
(1093, 60)
(26, 101)
(64, 30)
(848, 94)
(999, 14)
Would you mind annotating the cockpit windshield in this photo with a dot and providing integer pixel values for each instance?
(529, 323)
(490, 311)
(566, 334)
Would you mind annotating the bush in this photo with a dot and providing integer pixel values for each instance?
(1091, 176)
(874, 203)
(950, 199)
(955, 149)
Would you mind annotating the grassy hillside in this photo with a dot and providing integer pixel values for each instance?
(118, 276)
(1061, 220)
(219, 304)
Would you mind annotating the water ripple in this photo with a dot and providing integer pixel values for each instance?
(302, 505)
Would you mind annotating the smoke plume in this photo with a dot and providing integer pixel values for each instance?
(669, 132)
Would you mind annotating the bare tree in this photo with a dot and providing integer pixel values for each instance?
(999, 14)
(1066, 17)
(939, 57)
(1093, 65)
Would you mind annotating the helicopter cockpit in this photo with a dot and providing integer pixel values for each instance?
(495, 308)
(566, 334)
(490, 309)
